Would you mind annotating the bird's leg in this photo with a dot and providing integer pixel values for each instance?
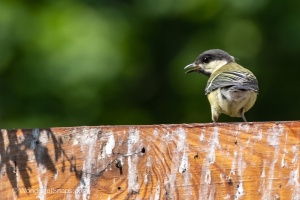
(243, 115)
(214, 115)
(214, 119)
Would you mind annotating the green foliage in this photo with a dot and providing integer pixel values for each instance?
(72, 63)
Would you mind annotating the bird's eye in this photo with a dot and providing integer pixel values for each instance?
(205, 59)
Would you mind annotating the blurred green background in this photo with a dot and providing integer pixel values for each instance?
(72, 63)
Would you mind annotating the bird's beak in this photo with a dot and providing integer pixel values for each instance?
(193, 68)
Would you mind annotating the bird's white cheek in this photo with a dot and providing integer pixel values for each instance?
(214, 65)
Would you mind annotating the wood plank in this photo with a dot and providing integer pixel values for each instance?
(183, 161)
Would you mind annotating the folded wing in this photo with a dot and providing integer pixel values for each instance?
(240, 80)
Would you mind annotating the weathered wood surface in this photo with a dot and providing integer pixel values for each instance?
(184, 161)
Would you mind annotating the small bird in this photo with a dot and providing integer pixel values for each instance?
(231, 89)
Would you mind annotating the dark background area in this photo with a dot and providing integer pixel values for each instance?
(72, 63)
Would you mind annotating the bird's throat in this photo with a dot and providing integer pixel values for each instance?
(205, 72)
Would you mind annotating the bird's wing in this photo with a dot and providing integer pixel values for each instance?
(241, 80)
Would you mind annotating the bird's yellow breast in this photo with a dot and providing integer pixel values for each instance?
(232, 102)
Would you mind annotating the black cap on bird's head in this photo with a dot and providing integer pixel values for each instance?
(209, 61)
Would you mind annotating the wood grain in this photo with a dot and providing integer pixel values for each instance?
(183, 161)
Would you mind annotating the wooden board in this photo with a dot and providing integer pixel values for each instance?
(184, 161)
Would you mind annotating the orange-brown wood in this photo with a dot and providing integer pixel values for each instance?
(184, 161)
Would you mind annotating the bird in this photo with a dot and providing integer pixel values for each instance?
(231, 89)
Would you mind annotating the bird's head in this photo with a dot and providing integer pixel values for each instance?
(209, 61)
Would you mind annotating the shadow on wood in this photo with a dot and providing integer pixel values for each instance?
(184, 161)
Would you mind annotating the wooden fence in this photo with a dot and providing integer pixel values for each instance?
(181, 161)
